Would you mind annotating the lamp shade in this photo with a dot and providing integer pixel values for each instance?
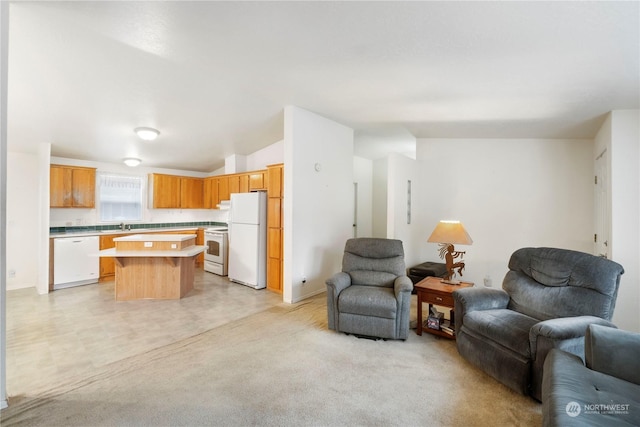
(450, 232)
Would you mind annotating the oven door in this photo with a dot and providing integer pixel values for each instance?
(215, 247)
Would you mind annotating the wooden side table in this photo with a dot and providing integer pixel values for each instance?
(432, 291)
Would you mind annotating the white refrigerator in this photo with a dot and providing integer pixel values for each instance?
(248, 239)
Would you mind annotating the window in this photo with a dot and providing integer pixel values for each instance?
(120, 197)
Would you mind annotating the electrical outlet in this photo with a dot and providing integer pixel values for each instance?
(12, 273)
(487, 281)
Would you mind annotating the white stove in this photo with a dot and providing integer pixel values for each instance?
(216, 255)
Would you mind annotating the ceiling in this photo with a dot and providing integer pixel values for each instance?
(214, 77)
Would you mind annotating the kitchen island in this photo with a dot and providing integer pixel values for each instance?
(157, 266)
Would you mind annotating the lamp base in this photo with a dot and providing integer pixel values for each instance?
(450, 281)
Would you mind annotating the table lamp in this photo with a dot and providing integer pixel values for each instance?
(448, 233)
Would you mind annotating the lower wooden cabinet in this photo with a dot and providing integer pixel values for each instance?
(107, 264)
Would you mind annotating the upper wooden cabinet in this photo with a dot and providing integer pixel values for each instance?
(72, 187)
(204, 193)
(257, 181)
(191, 193)
(223, 188)
(274, 188)
(176, 192)
(165, 191)
(211, 192)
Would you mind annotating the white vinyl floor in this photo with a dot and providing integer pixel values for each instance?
(67, 333)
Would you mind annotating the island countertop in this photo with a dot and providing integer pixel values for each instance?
(155, 238)
(184, 253)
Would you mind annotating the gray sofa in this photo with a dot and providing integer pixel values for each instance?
(549, 297)
(371, 296)
(605, 392)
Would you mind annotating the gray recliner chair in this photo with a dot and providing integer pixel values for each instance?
(549, 297)
(602, 391)
(371, 296)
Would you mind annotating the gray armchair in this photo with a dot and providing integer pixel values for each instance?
(549, 297)
(604, 391)
(371, 296)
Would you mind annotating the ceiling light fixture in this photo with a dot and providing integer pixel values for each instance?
(132, 162)
(148, 134)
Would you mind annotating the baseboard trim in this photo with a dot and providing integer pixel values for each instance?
(309, 295)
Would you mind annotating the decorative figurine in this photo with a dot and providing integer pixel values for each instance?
(448, 253)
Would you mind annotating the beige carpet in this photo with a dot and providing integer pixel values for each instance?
(282, 367)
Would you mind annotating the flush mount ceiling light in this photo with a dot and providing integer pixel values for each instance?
(132, 162)
(148, 134)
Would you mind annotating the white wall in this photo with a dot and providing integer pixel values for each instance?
(4, 55)
(318, 205)
(379, 198)
(363, 176)
(620, 136)
(509, 193)
(402, 169)
(269, 155)
(22, 219)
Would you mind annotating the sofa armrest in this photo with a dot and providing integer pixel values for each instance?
(565, 333)
(563, 328)
(402, 284)
(335, 284)
(466, 300)
(613, 352)
(472, 299)
(339, 282)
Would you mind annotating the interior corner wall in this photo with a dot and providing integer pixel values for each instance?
(625, 211)
(23, 220)
(318, 200)
(363, 177)
(403, 219)
(509, 193)
(4, 56)
(44, 219)
(379, 198)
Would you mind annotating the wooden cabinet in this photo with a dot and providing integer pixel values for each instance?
(244, 183)
(107, 266)
(212, 190)
(257, 181)
(275, 223)
(166, 191)
(234, 184)
(223, 188)
(72, 187)
(176, 192)
(211, 193)
(191, 193)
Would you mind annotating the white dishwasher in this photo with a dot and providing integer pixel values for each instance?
(75, 261)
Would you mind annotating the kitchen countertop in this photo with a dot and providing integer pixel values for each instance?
(155, 238)
(184, 253)
(111, 232)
